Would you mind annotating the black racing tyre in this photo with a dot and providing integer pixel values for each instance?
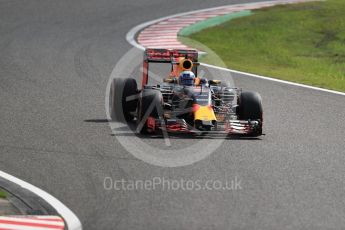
(250, 108)
(119, 106)
(150, 105)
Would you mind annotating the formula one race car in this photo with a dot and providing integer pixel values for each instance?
(183, 102)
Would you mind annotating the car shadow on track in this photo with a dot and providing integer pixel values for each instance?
(97, 120)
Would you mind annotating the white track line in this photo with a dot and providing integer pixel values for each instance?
(275, 80)
(72, 221)
(131, 38)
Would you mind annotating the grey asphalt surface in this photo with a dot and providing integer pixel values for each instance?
(55, 61)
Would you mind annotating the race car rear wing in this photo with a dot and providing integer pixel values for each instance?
(169, 55)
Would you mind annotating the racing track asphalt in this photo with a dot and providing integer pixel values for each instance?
(55, 61)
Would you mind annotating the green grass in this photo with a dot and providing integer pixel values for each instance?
(3, 194)
(303, 43)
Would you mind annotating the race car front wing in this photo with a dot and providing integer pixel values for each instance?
(230, 127)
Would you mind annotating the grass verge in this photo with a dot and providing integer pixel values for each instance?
(302, 43)
(3, 194)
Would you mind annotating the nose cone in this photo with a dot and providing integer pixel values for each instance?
(204, 113)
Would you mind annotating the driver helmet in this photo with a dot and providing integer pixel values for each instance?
(187, 78)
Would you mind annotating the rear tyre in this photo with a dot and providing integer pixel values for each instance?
(150, 105)
(250, 108)
(121, 106)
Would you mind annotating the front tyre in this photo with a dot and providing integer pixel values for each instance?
(250, 108)
(122, 100)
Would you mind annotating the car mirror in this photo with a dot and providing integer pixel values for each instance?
(214, 82)
(170, 80)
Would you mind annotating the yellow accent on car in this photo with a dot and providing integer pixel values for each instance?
(204, 113)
